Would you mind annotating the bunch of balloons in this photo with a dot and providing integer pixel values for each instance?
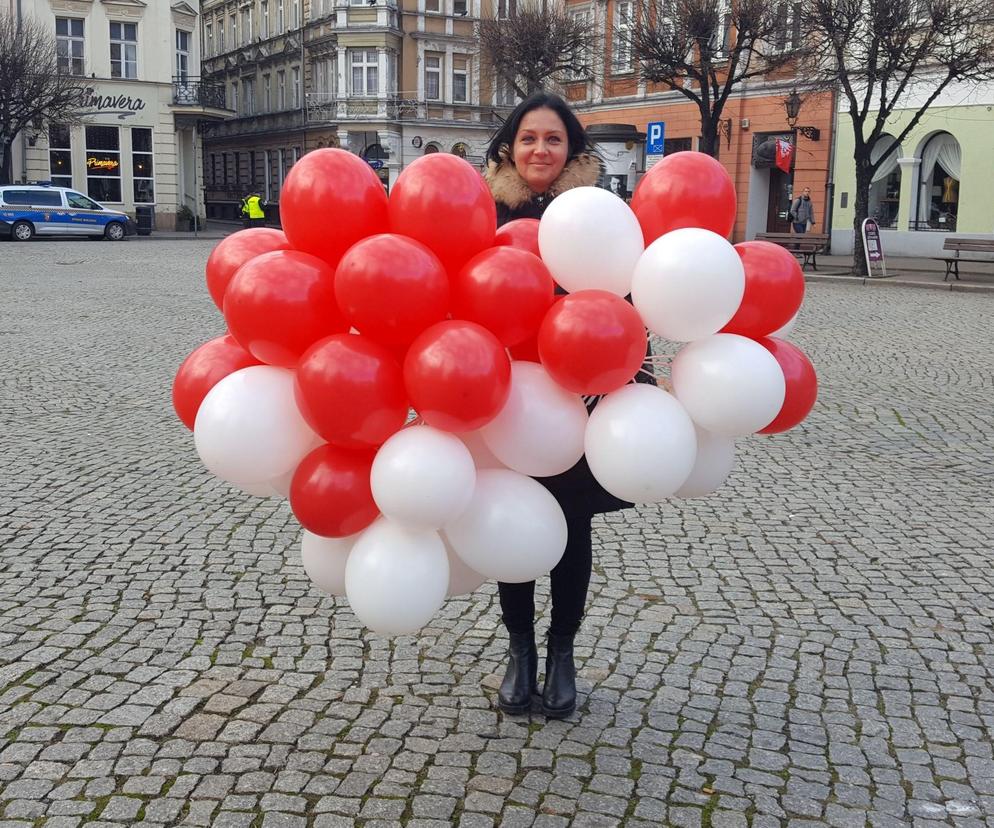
(402, 371)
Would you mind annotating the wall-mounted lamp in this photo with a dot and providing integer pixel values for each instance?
(792, 103)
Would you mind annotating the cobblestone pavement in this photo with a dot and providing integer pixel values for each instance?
(812, 646)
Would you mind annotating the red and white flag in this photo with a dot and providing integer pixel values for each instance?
(785, 154)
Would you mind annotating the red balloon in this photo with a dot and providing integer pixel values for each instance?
(685, 189)
(457, 375)
(506, 290)
(202, 370)
(281, 303)
(443, 202)
(350, 390)
(520, 233)
(802, 384)
(592, 342)
(330, 200)
(330, 493)
(391, 288)
(232, 252)
(774, 289)
(526, 351)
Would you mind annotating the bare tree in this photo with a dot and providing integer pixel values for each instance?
(33, 88)
(880, 53)
(705, 49)
(538, 48)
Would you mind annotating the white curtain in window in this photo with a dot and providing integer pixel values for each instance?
(884, 142)
(944, 150)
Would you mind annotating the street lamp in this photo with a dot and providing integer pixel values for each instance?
(792, 103)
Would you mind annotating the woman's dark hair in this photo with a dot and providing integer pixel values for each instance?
(576, 136)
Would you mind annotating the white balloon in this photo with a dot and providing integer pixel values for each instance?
(590, 239)
(688, 284)
(248, 428)
(513, 531)
(784, 332)
(462, 579)
(324, 560)
(715, 459)
(263, 489)
(640, 444)
(422, 477)
(483, 457)
(396, 579)
(729, 384)
(281, 484)
(539, 431)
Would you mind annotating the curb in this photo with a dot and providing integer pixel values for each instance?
(891, 281)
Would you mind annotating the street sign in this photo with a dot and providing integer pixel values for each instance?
(376, 164)
(654, 138)
(875, 264)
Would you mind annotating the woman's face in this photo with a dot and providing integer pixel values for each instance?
(540, 148)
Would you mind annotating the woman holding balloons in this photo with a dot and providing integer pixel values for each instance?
(540, 152)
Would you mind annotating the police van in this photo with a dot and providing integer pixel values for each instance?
(27, 210)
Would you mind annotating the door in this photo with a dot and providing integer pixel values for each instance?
(781, 190)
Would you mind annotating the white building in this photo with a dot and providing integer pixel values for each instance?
(139, 142)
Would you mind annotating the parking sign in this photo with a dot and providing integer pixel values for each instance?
(654, 138)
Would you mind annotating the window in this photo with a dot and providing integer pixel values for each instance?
(183, 55)
(69, 45)
(295, 13)
(267, 172)
(460, 78)
(103, 163)
(460, 7)
(281, 171)
(671, 145)
(81, 202)
(433, 6)
(248, 95)
(59, 156)
(246, 25)
(209, 37)
(224, 168)
(504, 96)
(267, 93)
(233, 23)
(788, 35)
(622, 46)
(238, 167)
(295, 88)
(280, 19)
(365, 72)
(281, 90)
(581, 57)
(265, 18)
(234, 98)
(124, 50)
(506, 9)
(433, 77)
(141, 165)
(220, 35)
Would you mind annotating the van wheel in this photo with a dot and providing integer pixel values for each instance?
(22, 231)
(114, 231)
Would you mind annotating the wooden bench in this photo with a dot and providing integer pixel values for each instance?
(958, 246)
(803, 245)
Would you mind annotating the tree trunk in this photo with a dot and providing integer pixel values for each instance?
(709, 137)
(6, 167)
(861, 208)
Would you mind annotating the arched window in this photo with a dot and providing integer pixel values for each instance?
(460, 149)
(885, 189)
(938, 183)
(430, 148)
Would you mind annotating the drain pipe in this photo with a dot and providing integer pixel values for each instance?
(830, 182)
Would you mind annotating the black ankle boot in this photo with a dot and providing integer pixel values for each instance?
(559, 693)
(521, 679)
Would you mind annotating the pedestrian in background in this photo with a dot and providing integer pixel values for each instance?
(540, 152)
(253, 210)
(802, 212)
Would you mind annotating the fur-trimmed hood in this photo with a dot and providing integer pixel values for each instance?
(510, 189)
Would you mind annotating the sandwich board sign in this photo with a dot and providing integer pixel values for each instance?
(876, 267)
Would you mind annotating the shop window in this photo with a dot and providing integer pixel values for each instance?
(885, 188)
(671, 145)
(59, 156)
(103, 163)
(430, 148)
(460, 150)
(141, 165)
(124, 50)
(939, 182)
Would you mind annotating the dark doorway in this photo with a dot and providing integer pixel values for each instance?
(781, 186)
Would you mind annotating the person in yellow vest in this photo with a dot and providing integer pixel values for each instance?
(253, 210)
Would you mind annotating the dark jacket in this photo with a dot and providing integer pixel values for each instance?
(576, 489)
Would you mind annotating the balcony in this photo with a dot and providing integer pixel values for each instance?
(201, 98)
(325, 107)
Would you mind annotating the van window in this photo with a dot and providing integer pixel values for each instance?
(78, 200)
(17, 196)
(45, 198)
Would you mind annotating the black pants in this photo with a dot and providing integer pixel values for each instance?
(570, 579)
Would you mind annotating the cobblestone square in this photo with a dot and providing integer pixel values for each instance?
(811, 646)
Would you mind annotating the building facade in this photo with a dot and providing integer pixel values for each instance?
(936, 183)
(139, 142)
(613, 97)
(387, 80)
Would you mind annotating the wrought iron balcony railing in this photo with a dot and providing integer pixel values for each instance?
(196, 92)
